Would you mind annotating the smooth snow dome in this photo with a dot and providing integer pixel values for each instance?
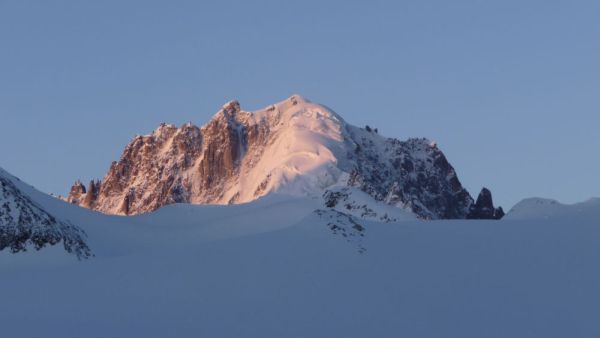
(300, 159)
(277, 268)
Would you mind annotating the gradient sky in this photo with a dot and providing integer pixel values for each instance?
(510, 90)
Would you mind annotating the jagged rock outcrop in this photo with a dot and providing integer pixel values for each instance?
(77, 191)
(411, 174)
(354, 202)
(23, 223)
(294, 147)
(484, 207)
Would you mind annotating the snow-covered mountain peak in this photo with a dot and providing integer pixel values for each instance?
(292, 111)
(294, 147)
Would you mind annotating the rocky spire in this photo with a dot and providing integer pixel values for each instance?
(92, 194)
(77, 191)
(484, 207)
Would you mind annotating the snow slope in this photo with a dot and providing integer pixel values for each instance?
(277, 268)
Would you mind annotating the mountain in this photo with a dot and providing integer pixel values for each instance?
(543, 208)
(294, 147)
(24, 223)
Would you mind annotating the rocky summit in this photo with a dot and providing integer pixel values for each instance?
(294, 147)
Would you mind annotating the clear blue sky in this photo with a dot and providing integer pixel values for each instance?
(510, 90)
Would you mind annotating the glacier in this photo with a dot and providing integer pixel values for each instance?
(286, 266)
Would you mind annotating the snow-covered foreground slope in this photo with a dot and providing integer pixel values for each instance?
(277, 268)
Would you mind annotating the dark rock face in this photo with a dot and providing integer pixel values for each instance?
(484, 207)
(24, 223)
(413, 174)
